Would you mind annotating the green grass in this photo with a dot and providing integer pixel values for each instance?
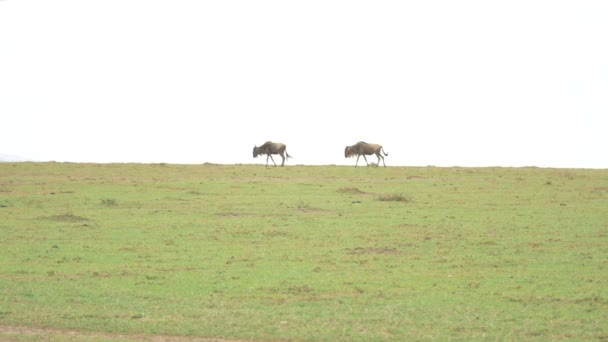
(320, 253)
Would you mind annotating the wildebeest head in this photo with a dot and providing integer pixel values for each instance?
(347, 152)
(255, 151)
(352, 151)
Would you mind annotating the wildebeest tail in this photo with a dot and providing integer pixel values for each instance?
(386, 154)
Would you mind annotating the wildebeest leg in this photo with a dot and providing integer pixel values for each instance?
(283, 162)
(357, 160)
(270, 156)
(365, 160)
(380, 156)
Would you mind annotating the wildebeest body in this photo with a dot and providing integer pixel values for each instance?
(269, 148)
(362, 149)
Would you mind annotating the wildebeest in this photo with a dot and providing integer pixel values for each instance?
(362, 149)
(269, 148)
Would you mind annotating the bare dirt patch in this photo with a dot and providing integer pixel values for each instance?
(374, 250)
(234, 214)
(19, 333)
(67, 217)
(313, 210)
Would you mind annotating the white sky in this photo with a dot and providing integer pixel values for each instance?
(467, 83)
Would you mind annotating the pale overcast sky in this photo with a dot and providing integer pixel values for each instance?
(466, 83)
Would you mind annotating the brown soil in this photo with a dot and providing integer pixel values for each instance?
(20, 333)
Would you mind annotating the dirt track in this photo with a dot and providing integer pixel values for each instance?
(20, 333)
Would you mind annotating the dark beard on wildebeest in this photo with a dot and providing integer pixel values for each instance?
(269, 148)
(362, 149)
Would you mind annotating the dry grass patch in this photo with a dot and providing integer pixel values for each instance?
(67, 217)
(354, 191)
(393, 198)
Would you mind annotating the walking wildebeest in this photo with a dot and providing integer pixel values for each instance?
(269, 148)
(362, 148)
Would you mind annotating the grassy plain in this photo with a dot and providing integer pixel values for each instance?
(320, 253)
